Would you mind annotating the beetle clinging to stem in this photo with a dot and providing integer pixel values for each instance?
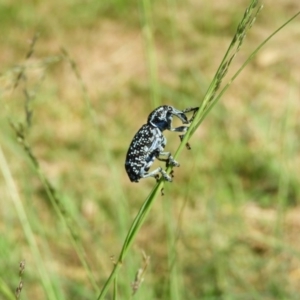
(149, 143)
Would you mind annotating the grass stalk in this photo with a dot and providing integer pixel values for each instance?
(6, 291)
(15, 197)
(85, 94)
(56, 203)
(20, 131)
(247, 61)
(134, 229)
(147, 30)
(174, 287)
(210, 99)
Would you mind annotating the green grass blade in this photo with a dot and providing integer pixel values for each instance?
(211, 98)
(147, 30)
(247, 61)
(44, 274)
(57, 204)
(5, 290)
(209, 101)
(136, 225)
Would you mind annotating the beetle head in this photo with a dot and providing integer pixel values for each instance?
(162, 117)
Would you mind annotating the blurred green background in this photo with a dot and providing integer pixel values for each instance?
(227, 227)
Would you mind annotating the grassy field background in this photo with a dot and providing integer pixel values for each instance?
(227, 227)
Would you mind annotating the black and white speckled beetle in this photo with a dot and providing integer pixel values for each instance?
(149, 143)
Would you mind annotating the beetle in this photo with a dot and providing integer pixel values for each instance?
(149, 143)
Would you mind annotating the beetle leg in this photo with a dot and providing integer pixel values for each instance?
(170, 161)
(179, 129)
(193, 109)
(156, 177)
(188, 146)
(155, 172)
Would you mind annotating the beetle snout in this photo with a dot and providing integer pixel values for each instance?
(181, 116)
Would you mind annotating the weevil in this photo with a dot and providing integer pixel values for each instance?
(149, 143)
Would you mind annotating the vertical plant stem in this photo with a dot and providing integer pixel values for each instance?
(147, 29)
(44, 273)
(56, 203)
(173, 264)
(209, 101)
(135, 226)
